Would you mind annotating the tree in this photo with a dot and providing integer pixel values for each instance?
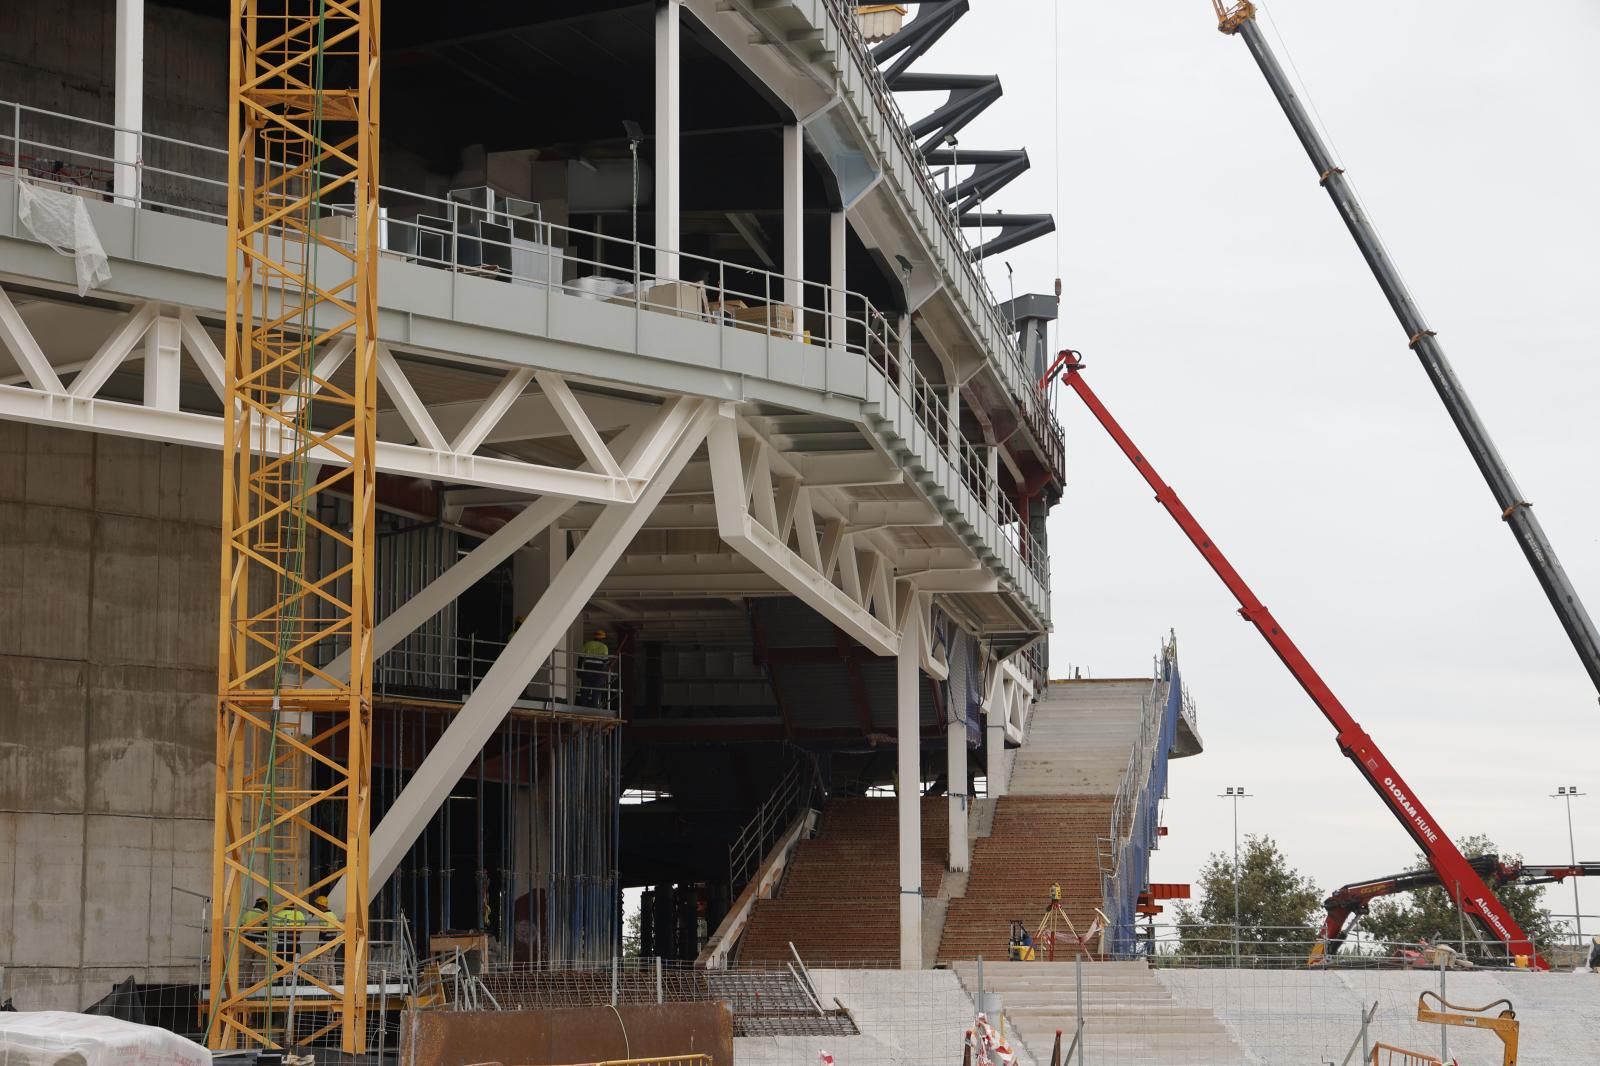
(1278, 908)
(1428, 913)
(633, 932)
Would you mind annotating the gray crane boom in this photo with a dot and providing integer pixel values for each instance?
(1240, 20)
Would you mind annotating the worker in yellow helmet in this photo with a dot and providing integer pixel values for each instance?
(594, 665)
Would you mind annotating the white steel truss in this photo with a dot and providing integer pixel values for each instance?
(40, 397)
(674, 440)
(839, 574)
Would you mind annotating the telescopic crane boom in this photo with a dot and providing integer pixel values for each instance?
(1239, 20)
(1458, 876)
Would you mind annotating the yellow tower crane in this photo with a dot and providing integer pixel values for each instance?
(293, 737)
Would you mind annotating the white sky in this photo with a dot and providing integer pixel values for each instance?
(1229, 322)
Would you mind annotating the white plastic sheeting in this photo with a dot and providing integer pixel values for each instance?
(61, 220)
(62, 1038)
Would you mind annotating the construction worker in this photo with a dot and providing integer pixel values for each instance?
(289, 920)
(325, 918)
(250, 961)
(1594, 956)
(593, 665)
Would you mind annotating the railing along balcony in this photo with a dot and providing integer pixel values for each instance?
(511, 243)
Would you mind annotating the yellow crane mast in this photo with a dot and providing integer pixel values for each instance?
(293, 735)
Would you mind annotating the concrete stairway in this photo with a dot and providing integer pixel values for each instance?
(1079, 739)
(1129, 1017)
(840, 900)
(1035, 841)
(1047, 826)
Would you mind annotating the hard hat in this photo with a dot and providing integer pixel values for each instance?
(599, 634)
(321, 901)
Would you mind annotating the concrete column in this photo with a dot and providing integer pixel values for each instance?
(794, 218)
(669, 24)
(908, 791)
(838, 301)
(128, 108)
(956, 772)
(163, 364)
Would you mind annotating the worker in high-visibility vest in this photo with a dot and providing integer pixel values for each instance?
(288, 921)
(594, 662)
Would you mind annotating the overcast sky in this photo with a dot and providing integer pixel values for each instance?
(1230, 324)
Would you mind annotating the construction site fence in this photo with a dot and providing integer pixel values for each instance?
(522, 248)
(1172, 945)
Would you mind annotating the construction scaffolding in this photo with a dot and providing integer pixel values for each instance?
(293, 735)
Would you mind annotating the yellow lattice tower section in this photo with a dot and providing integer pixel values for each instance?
(293, 737)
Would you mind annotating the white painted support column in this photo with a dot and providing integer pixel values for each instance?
(903, 326)
(908, 789)
(794, 220)
(956, 773)
(128, 108)
(952, 402)
(668, 154)
(994, 735)
(528, 649)
(561, 674)
(838, 301)
(163, 364)
(991, 486)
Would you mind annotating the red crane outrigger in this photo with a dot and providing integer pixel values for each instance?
(1456, 874)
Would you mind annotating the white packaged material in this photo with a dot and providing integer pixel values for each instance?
(62, 221)
(62, 1038)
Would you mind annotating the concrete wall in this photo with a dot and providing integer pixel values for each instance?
(60, 55)
(108, 557)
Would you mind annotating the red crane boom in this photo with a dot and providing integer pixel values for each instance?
(1456, 874)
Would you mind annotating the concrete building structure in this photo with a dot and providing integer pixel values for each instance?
(681, 339)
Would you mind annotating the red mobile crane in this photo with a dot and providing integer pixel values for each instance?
(1350, 901)
(1455, 872)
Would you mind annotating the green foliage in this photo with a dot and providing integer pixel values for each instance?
(1428, 914)
(1279, 910)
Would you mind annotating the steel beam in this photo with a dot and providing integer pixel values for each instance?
(127, 108)
(754, 540)
(908, 789)
(668, 140)
(206, 431)
(522, 657)
(794, 220)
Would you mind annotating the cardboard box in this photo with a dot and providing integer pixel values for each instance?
(684, 298)
(767, 318)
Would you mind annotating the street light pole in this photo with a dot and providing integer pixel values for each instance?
(1567, 792)
(1235, 795)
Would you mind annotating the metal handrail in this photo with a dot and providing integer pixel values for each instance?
(455, 665)
(850, 321)
(789, 798)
